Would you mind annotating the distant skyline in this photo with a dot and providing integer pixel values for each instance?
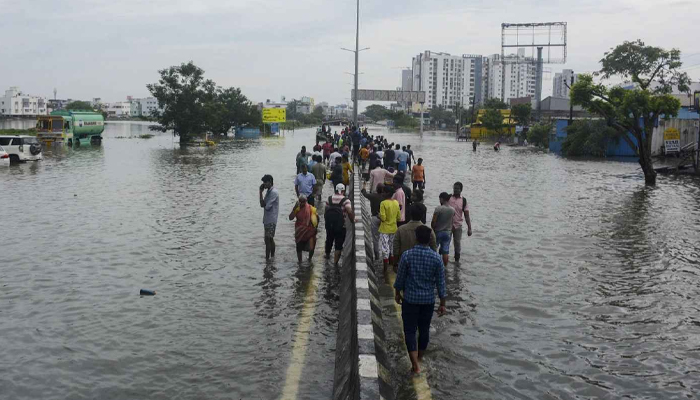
(277, 48)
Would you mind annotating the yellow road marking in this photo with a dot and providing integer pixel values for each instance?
(301, 338)
(420, 383)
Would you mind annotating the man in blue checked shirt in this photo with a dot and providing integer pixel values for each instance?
(420, 272)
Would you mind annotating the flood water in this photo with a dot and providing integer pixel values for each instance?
(578, 281)
(85, 229)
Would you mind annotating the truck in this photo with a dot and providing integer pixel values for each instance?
(73, 128)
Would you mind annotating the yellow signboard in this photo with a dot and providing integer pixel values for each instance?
(672, 134)
(672, 140)
(272, 115)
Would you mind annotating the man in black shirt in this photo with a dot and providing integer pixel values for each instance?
(389, 157)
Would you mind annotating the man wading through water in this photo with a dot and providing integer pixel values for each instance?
(461, 208)
(420, 273)
(271, 204)
(337, 209)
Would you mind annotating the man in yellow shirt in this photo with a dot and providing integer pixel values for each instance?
(364, 155)
(389, 215)
(347, 170)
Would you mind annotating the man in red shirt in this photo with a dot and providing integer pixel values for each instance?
(327, 150)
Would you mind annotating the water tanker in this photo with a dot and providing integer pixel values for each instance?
(74, 128)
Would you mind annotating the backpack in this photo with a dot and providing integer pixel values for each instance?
(334, 215)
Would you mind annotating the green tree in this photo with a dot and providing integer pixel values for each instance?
(228, 108)
(182, 94)
(80, 105)
(401, 119)
(440, 115)
(192, 105)
(292, 110)
(318, 113)
(588, 138)
(634, 113)
(521, 113)
(492, 119)
(495, 103)
(376, 112)
(538, 134)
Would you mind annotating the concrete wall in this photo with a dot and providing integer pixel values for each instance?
(346, 380)
(361, 359)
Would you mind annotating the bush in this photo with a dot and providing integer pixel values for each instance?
(538, 134)
(588, 138)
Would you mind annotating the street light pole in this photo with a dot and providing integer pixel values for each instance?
(357, 59)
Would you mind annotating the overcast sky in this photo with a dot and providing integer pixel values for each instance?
(112, 49)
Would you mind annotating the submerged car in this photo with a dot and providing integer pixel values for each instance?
(4, 158)
(21, 148)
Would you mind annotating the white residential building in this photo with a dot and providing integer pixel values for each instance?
(147, 106)
(16, 103)
(561, 83)
(448, 80)
(520, 76)
(118, 109)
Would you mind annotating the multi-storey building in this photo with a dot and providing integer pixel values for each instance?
(147, 106)
(118, 109)
(562, 82)
(470, 78)
(511, 77)
(441, 77)
(16, 103)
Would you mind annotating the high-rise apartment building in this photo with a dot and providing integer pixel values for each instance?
(447, 79)
(561, 83)
(470, 78)
(518, 80)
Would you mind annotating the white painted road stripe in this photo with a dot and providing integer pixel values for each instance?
(365, 332)
(301, 339)
(362, 283)
(363, 304)
(368, 366)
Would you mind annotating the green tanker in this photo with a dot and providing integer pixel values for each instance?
(74, 128)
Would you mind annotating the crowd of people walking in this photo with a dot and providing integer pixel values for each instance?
(416, 252)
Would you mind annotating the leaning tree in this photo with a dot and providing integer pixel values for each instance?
(634, 112)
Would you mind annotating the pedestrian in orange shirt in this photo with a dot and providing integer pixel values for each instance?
(418, 175)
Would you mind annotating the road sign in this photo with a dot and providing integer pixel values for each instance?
(672, 140)
(404, 96)
(270, 115)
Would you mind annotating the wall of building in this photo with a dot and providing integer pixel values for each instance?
(16, 103)
(562, 82)
(688, 125)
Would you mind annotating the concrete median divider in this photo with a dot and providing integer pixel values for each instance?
(360, 361)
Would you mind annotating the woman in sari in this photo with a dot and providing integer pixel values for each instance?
(304, 227)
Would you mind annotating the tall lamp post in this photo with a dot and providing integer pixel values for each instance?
(357, 59)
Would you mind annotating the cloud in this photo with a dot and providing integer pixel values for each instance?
(272, 48)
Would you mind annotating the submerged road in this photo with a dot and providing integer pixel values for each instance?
(578, 281)
(99, 224)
